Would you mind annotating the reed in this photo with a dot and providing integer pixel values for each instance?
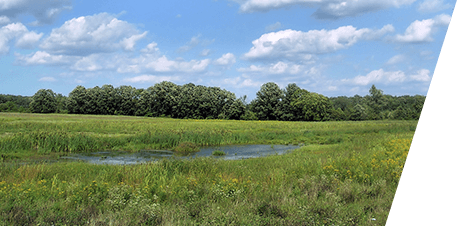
(218, 153)
(346, 173)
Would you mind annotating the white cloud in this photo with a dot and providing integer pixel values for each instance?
(250, 83)
(47, 79)
(266, 5)
(89, 63)
(273, 27)
(396, 59)
(277, 68)
(205, 52)
(379, 76)
(189, 45)
(129, 43)
(4, 20)
(150, 48)
(332, 88)
(242, 82)
(343, 8)
(24, 37)
(421, 76)
(226, 59)
(148, 79)
(92, 34)
(421, 31)
(298, 45)
(42, 58)
(28, 40)
(326, 9)
(163, 64)
(44, 11)
(129, 69)
(252, 68)
(431, 6)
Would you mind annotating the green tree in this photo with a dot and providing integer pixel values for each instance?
(288, 111)
(337, 114)
(187, 102)
(126, 100)
(44, 101)
(417, 106)
(375, 102)
(9, 106)
(358, 113)
(249, 115)
(267, 104)
(95, 101)
(61, 103)
(77, 100)
(166, 94)
(235, 109)
(403, 113)
(107, 100)
(312, 106)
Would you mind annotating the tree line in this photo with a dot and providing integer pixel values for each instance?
(166, 99)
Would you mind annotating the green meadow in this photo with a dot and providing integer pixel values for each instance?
(344, 173)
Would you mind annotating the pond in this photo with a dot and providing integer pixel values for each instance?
(232, 152)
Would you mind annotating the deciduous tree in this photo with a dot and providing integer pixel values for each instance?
(267, 104)
(44, 101)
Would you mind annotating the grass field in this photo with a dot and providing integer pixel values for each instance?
(346, 173)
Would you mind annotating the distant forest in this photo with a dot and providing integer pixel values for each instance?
(190, 101)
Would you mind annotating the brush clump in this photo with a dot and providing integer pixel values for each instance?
(218, 153)
(186, 148)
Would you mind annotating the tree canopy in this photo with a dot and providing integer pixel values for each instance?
(166, 99)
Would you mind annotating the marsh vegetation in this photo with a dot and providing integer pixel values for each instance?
(345, 173)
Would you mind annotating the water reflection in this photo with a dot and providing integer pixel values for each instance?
(232, 152)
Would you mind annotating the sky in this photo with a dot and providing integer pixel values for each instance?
(331, 47)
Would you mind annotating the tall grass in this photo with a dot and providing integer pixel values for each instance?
(347, 174)
(44, 134)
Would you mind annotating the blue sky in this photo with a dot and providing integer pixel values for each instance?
(332, 47)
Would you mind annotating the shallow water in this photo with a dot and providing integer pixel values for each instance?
(232, 152)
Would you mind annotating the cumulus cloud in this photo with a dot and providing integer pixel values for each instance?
(273, 27)
(47, 79)
(150, 48)
(92, 34)
(277, 68)
(421, 31)
(226, 60)
(431, 6)
(421, 76)
(389, 77)
(44, 11)
(17, 31)
(148, 79)
(380, 76)
(89, 63)
(163, 64)
(28, 40)
(129, 43)
(396, 59)
(293, 45)
(326, 9)
(242, 82)
(205, 52)
(249, 6)
(189, 45)
(43, 58)
(344, 8)
(4, 20)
